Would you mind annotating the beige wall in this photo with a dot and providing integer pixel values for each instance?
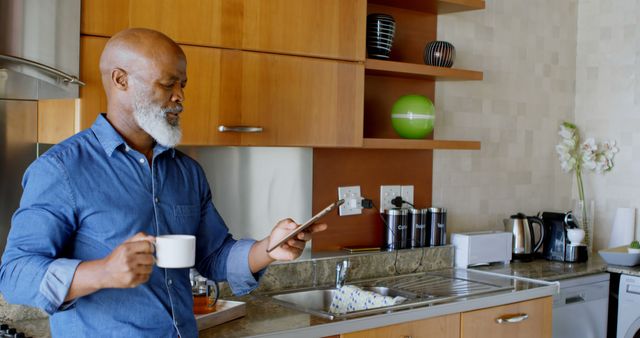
(527, 51)
(607, 101)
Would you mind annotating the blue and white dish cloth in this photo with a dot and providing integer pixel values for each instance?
(350, 298)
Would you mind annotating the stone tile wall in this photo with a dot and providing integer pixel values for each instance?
(607, 102)
(527, 51)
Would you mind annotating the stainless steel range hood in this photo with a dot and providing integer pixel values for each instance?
(39, 49)
(39, 59)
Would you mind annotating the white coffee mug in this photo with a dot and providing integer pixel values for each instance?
(175, 251)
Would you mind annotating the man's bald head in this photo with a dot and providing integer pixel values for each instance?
(143, 74)
(135, 50)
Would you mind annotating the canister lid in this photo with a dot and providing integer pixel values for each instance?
(415, 211)
(437, 210)
(395, 211)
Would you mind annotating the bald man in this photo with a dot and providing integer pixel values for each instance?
(80, 242)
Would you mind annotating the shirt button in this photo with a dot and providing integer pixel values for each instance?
(169, 282)
(141, 160)
(156, 200)
(127, 148)
(175, 322)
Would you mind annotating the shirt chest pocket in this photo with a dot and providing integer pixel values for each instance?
(187, 217)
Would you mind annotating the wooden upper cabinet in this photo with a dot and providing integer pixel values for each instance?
(93, 100)
(484, 323)
(329, 28)
(301, 101)
(104, 17)
(297, 101)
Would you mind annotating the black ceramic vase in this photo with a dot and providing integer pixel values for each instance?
(381, 29)
(439, 54)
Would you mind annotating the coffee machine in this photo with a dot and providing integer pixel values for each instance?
(557, 246)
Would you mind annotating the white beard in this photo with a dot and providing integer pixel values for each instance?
(152, 118)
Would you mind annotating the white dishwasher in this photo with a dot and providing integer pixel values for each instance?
(580, 309)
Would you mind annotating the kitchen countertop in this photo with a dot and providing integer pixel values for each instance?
(627, 270)
(265, 318)
(543, 269)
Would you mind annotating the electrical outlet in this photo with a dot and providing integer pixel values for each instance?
(352, 200)
(406, 191)
(387, 193)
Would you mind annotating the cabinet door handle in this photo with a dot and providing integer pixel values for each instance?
(239, 129)
(510, 319)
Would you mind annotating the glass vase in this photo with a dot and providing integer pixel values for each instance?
(583, 214)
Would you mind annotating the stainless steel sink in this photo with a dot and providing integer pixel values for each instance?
(318, 301)
(419, 289)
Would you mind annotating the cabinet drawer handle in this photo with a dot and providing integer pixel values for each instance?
(239, 129)
(509, 319)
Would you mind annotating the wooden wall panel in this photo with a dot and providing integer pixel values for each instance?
(58, 119)
(93, 100)
(413, 31)
(380, 93)
(104, 17)
(369, 169)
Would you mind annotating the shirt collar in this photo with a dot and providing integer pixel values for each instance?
(111, 140)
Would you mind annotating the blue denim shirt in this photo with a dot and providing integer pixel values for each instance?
(82, 199)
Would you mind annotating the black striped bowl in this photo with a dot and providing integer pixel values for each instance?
(381, 30)
(439, 54)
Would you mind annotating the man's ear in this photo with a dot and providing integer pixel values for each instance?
(120, 78)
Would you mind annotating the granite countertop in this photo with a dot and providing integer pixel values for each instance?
(543, 269)
(265, 318)
(627, 270)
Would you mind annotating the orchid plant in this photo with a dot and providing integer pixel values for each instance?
(588, 154)
(575, 156)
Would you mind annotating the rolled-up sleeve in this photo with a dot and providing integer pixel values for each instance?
(239, 276)
(56, 282)
(32, 271)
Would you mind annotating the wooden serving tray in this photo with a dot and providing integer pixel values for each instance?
(226, 310)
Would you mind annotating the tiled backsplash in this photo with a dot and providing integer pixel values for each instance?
(543, 63)
(608, 101)
(527, 51)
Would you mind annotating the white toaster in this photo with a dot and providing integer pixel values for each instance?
(472, 248)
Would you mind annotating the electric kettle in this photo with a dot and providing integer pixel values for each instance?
(524, 243)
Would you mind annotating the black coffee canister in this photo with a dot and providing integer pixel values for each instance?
(437, 224)
(417, 223)
(396, 228)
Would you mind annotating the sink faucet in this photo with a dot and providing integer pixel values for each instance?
(341, 273)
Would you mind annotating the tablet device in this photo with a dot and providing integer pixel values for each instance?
(306, 224)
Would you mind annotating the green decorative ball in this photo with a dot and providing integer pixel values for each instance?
(412, 116)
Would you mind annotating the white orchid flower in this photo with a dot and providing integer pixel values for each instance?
(609, 149)
(590, 145)
(590, 155)
(567, 131)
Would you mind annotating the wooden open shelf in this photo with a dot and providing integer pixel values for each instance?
(434, 6)
(417, 71)
(386, 143)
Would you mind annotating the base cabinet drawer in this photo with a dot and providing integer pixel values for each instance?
(529, 319)
(438, 327)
